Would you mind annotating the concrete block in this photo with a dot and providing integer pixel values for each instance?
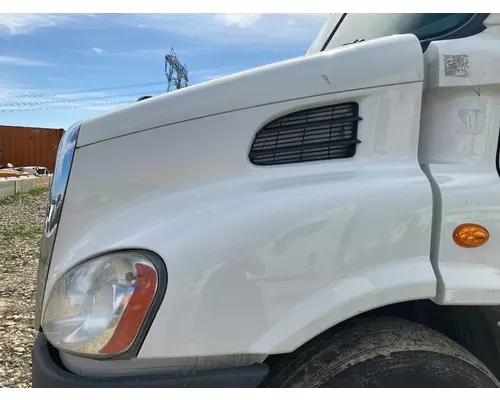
(25, 184)
(43, 181)
(7, 187)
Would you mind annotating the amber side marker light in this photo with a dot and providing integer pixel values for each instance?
(470, 235)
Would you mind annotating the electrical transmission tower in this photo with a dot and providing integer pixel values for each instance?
(176, 73)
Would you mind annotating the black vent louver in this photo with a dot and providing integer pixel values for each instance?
(322, 133)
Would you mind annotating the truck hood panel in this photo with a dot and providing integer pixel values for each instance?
(390, 61)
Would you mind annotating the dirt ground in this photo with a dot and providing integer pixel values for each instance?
(21, 223)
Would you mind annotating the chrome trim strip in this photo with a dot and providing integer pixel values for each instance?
(64, 161)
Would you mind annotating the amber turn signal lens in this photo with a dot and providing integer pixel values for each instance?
(470, 235)
(135, 313)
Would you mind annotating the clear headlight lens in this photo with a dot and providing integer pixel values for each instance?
(99, 307)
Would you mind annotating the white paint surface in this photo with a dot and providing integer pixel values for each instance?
(459, 142)
(260, 259)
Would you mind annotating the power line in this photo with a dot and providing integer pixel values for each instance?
(64, 108)
(37, 103)
(49, 94)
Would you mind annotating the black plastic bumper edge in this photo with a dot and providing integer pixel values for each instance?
(48, 372)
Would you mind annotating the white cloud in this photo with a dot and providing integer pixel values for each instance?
(18, 24)
(268, 30)
(9, 91)
(239, 20)
(22, 62)
(218, 29)
(22, 24)
(137, 53)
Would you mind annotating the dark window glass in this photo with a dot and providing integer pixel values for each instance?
(360, 27)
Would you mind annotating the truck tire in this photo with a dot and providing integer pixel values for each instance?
(381, 352)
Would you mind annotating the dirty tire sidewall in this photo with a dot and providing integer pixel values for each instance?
(381, 352)
(411, 369)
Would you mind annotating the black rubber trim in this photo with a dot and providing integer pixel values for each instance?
(497, 161)
(49, 372)
(332, 33)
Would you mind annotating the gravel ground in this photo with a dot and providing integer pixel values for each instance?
(21, 222)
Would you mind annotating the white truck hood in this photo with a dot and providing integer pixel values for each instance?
(337, 70)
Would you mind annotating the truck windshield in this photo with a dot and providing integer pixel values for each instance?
(343, 29)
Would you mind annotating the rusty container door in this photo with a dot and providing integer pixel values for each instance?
(24, 146)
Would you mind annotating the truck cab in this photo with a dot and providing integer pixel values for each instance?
(336, 230)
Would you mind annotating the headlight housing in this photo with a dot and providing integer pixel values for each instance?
(64, 160)
(98, 308)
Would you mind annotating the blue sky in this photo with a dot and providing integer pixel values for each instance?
(53, 53)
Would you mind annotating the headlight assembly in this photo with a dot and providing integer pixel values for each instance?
(99, 307)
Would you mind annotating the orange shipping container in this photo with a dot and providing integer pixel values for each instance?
(25, 146)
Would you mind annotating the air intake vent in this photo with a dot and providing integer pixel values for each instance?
(323, 133)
